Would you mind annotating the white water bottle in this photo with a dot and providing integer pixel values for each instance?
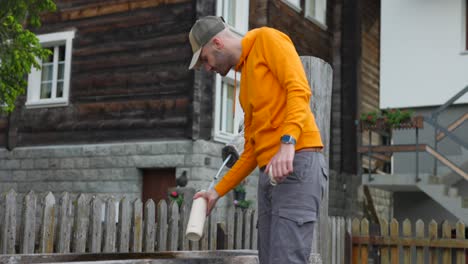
(197, 219)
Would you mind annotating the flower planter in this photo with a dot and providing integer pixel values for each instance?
(239, 196)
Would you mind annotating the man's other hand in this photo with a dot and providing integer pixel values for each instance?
(282, 163)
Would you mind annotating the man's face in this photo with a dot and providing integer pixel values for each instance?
(213, 59)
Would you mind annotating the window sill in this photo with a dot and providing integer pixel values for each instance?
(464, 52)
(46, 103)
(316, 22)
(223, 137)
(293, 6)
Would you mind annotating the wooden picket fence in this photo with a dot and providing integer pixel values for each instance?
(408, 246)
(81, 225)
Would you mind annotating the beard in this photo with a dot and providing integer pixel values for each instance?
(223, 66)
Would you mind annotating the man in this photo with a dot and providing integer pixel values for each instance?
(281, 136)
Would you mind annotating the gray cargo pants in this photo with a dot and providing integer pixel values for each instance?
(287, 212)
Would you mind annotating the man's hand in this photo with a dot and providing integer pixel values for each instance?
(282, 163)
(211, 196)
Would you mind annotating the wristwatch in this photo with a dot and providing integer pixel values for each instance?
(288, 139)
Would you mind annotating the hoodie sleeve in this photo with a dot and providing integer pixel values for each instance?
(243, 167)
(284, 62)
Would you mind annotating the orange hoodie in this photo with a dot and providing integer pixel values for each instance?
(275, 97)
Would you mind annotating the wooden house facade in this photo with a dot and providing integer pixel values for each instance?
(119, 109)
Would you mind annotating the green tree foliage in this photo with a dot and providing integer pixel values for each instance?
(19, 47)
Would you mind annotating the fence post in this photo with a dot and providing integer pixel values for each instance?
(394, 233)
(364, 248)
(384, 233)
(80, 230)
(9, 224)
(407, 233)
(137, 227)
(64, 224)
(355, 232)
(320, 76)
(96, 226)
(446, 233)
(28, 236)
(253, 230)
(162, 225)
(461, 235)
(184, 216)
(124, 225)
(213, 229)
(246, 229)
(238, 229)
(150, 219)
(174, 226)
(432, 232)
(419, 235)
(48, 225)
(109, 226)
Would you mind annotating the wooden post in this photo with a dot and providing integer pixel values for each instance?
(124, 225)
(8, 230)
(109, 226)
(320, 76)
(355, 231)
(95, 226)
(384, 257)
(64, 224)
(162, 226)
(28, 235)
(432, 232)
(46, 244)
(460, 235)
(407, 233)
(446, 233)
(394, 234)
(80, 229)
(137, 226)
(419, 235)
(173, 234)
(150, 229)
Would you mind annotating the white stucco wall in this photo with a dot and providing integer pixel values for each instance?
(423, 56)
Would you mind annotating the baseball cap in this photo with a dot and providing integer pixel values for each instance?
(202, 31)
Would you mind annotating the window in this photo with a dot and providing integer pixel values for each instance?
(295, 4)
(227, 119)
(49, 86)
(236, 14)
(316, 10)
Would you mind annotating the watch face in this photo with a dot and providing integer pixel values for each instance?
(287, 139)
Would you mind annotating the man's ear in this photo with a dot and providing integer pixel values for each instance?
(218, 43)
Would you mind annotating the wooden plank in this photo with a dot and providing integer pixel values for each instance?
(333, 240)
(137, 226)
(394, 233)
(110, 226)
(384, 253)
(246, 229)
(432, 234)
(364, 248)
(8, 229)
(162, 226)
(80, 229)
(213, 235)
(150, 225)
(64, 224)
(460, 234)
(28, 234)
(173, 234)
(124, 226)
(341, 240)
(447, 162)
(406, 249)
(446, 233)
(254, 242)
(46, 243)
(101, 9)
(95, 226)
(419, 235)
(355, 231)
(238, 228)
(453, 126)
(392, 148)
(230, 227)
(204, 240)
(184, 216)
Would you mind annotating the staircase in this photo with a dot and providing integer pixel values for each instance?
(446, 185)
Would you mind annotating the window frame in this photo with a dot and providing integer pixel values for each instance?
(242, 15)
(220, 108)
(35, 77)
(222, 9)
(295, 6)
(314, 17)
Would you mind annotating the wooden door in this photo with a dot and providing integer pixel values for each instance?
(156, 182)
